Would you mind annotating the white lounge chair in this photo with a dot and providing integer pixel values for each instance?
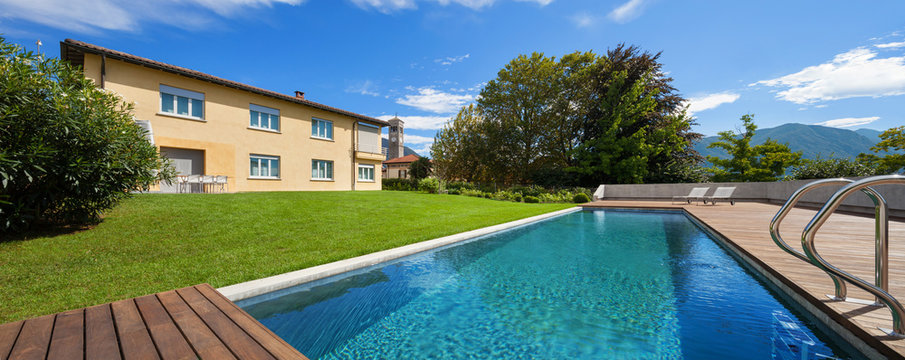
(598, 194)
(721, 193)
(695, 194)
(221, 182)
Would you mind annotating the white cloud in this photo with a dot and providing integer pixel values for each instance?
(848, 122)
(429, 99)
(583, 20)
(95, 16)
(366, 87)
(856, 73)
(627, 11)
(420, 122)
(892, 45)
(710, 101)
(449, 60)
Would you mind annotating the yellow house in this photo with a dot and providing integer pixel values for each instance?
(259, 139)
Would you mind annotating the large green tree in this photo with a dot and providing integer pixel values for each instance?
(892, 145)
(584, 119)
(764, 162)
(68, 150)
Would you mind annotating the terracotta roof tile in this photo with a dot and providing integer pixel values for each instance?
(405, 159)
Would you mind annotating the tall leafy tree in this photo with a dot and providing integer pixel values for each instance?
(421, 168)
(892, 144)
(764, 162)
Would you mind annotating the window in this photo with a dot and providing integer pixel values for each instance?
(366, 172)
(264, 167)
(321, 170)
(322, 129)
(181, 102)
(264, 118)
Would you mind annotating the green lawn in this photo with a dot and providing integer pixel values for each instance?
(159, 242)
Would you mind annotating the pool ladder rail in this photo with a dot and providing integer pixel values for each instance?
(880, 287)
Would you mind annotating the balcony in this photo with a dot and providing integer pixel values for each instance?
(370, 152)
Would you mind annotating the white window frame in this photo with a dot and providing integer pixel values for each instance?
(319, 164)
(318, 136)
(252, 108)
(260, 158)
(367, 167)
(183, 93)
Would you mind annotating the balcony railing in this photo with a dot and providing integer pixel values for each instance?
(373, 149)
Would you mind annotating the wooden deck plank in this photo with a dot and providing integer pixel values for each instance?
(100, 334)
(270, 341)
(202, 339)
(170, 342)
(846, 241)
(9, 332)
(134, 339)
(239, 342)
(68, 338)
(33, 339)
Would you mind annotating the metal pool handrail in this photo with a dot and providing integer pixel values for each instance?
(880, 205)
(807, 242)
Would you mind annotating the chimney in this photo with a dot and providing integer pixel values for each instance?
(300, 94)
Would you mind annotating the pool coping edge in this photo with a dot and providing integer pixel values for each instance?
(269, 284)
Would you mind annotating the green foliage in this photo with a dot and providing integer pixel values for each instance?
(429, 185)
(582, 119)
(821, 168)
(581, 198)
(420, 169)
(764, 162)
(400, 184)
(68, 150)
(892, 144)
(531, 200)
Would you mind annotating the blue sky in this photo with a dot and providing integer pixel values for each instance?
(838, 63)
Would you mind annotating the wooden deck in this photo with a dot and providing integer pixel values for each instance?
(846, 241)
(188, 323)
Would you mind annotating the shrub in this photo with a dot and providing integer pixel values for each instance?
(68, 150)
(400, 184)
(472, 192)
(517, 198)
(531, 200)
(820, 168)
(460, 185)
(429, 185)
(580, 198)
(452, 191)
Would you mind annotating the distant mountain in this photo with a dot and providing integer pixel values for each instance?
(405, 151)
(811, 140)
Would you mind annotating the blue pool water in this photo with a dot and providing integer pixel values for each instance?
(603, 284)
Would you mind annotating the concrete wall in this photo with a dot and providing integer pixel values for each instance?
(771, 192)
(226, 138)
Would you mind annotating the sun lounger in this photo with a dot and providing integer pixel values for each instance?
(695, 194)
(721, 193)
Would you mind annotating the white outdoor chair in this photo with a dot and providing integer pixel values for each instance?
(207, 183)
(221, 182)
(695, 194)
(722, 193)
(180, 183)
(598, 194)
(191, 180)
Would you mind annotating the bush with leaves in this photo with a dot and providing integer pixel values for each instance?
(429, 185)
(399, 184)
(580, 198)
(531, 200)
(821, 168)
(68, 150)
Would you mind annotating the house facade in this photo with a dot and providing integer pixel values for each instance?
(261, 140)
(398, 168)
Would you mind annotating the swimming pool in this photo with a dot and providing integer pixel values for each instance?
(589, 284)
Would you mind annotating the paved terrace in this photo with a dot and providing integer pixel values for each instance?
(188, 323)
(846, 241)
